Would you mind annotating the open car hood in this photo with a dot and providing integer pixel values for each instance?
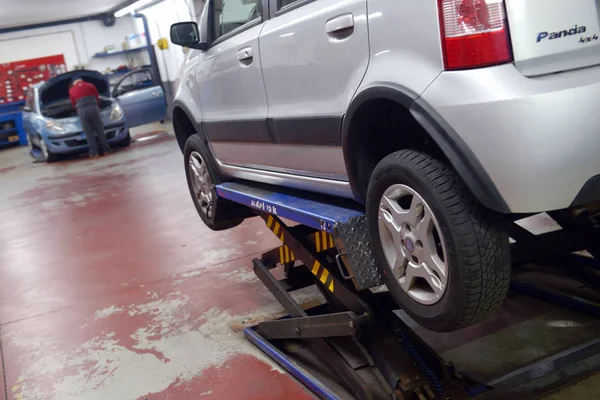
(57, 88)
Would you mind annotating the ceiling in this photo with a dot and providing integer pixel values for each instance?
(15, 13)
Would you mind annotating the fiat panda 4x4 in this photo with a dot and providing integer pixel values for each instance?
(442, 117)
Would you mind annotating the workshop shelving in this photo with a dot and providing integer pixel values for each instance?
(116, 53)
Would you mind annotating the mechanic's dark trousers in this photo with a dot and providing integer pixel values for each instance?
(93, 127)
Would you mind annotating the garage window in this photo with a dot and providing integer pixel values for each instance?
(232, 14)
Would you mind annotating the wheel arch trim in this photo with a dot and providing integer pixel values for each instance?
(198, 126)
(460, 156)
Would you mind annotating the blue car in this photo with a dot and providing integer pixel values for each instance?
(53, 127)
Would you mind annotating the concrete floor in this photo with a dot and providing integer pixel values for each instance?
(112, 288)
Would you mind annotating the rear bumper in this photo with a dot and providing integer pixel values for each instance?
(77, 142)
(537, 139)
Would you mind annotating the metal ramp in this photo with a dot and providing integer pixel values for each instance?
(366, 350)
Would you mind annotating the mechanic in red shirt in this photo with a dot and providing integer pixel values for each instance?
(86, 100)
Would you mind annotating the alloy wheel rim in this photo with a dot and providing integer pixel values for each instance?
(201, 183)
(413, 244)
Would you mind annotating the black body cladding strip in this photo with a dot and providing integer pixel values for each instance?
(460, 156)
(325, 131)
(589, 192)
(245, 131)
(317, 131)
(458, 153)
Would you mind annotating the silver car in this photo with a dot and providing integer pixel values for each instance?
(435, 115)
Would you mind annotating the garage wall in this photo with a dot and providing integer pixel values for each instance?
(160, 18)
(78, 42)
(65, 39)
(97, 36)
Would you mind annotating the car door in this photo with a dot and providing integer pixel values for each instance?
(229, 81)
(142, 100)
(314, 55)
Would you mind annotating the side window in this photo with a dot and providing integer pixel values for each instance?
(231, 14)
(135, 81)
(283, 3)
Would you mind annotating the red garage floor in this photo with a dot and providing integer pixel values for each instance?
(112, 288)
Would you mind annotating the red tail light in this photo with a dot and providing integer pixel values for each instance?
(474, 33)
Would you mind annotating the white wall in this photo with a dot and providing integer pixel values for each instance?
(97, 36)
(78, 42)
(43, 42)
(160, 18)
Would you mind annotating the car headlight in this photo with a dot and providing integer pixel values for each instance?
(55, 127)
(116, 113)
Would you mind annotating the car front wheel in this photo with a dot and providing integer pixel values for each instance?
(48, 156)
(202, 177)
(126, 141)
(444, 257)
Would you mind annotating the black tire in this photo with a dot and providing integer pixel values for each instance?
(52, 157)
(49, 156)
(568, 221)
(477, 249)
(223, 214)
(126, 141)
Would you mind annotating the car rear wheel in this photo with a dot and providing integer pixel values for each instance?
(202, 176)
(444, 257)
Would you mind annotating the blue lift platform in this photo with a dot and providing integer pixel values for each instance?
(355, 346)
(11, 125)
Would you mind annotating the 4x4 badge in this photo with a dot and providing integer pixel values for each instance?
(588, 39)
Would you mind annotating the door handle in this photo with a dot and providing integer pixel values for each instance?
(245, 54)
(340, 23)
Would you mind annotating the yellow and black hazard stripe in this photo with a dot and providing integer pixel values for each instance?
(275, 227)
(323, 241)
(286, 255)
(323, 275)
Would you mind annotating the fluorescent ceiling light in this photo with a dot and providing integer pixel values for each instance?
(131, 8)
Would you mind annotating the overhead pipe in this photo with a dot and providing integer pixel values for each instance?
(108, 20)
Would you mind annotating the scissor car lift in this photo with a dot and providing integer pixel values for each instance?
(356, 333)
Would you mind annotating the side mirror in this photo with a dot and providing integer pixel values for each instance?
(186, 34)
